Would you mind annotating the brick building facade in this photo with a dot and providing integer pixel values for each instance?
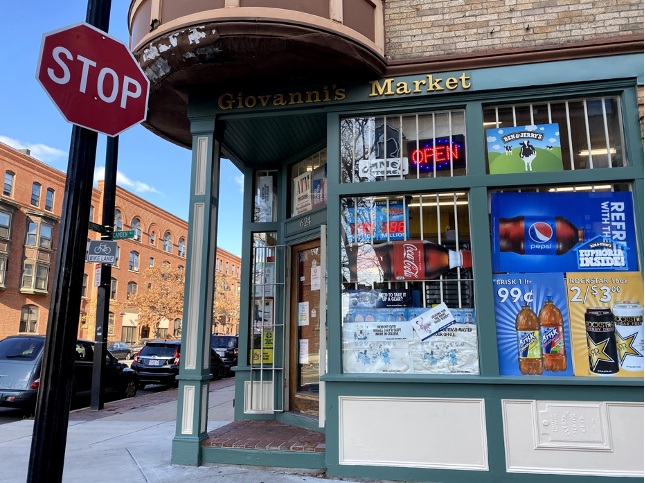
(30, 209)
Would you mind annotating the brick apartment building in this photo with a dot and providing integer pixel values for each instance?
(30, 211)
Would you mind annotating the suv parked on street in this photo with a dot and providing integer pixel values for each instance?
(158, 363)
(226, 347)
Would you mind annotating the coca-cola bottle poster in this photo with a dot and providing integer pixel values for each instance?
(532, 324)
(560, 232)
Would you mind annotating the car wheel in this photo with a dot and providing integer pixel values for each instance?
(221, 372)
(130, 389)
(128, 356)
(141, 386)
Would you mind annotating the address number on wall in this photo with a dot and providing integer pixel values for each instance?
(306, 221)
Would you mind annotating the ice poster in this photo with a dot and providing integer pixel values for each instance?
(452, 350)
(524, 149)
(592, 354)
(376, 347)
(512, 292)
(563, 232)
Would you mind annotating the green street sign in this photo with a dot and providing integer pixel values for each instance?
(120, 235)
(96, 227)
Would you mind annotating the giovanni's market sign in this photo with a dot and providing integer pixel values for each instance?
(393, 87)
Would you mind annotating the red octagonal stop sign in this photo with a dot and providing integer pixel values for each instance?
(93, 79)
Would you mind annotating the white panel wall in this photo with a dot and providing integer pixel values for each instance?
(413, 432)
(573, 438)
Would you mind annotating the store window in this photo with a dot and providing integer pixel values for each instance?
(134, 262)
(410, 146)
(113, 287)
(132, 289)
(136, 226)
(84, 287)
(167, 242)
(35, 194)
(111, 324)
(554, 136)
(406, 277)
(309, 183)
(266, 196)
(8, 184)
(181, 248)
(118, 220)
(49, 200)
(5, 225)
(29, 319)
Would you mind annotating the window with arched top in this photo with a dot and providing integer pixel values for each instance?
(49, 200)
(118, 220)
(152, 237)
(167, 242)
(181, 247)
(152, 262)
(132, 289)
(136, 226)
(8, 184)
(35, 194)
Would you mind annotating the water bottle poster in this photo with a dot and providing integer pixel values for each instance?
(540, 333)
(606, 342)
(524, 149)
(563, 232)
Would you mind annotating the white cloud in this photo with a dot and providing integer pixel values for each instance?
(240, 182)
(491, 139)
(496, 147)
(501, 131)
(125, 182)
(541, 129)
(552, 140)
(557, 133)
(532, 127)
(42, 152)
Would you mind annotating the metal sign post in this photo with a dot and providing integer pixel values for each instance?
(49, 438)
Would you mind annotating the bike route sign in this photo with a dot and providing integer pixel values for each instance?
(102, 251)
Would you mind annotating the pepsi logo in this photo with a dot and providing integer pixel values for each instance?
(540, 232)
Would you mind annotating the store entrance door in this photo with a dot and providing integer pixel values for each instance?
(307, 285)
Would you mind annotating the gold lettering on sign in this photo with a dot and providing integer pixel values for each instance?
(378, 90)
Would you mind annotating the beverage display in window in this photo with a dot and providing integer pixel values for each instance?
(537, 232)
(407, 298)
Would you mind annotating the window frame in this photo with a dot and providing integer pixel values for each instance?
(49, 200)
(35, 193)
(167, 242)
(133, 264)
(35, 323)
(11, 184)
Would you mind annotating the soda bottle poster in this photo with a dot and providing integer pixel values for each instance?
(563, 232)
(524, 149)
(610, 344)
(550, 352)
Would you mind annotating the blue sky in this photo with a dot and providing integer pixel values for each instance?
(150, 167)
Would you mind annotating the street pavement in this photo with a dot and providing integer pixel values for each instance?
(131, 441)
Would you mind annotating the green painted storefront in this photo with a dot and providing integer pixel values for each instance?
(273, 138)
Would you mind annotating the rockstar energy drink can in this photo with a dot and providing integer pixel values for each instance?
(628, 319)
(601, 341)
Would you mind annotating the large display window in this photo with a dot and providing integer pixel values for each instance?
(309, 183)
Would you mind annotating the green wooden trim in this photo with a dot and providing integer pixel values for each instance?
(639, 195)
(476, 158)
(295, 419)
(256, 457)
(632, 128)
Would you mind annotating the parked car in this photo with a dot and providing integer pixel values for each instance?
(226, 347)
(121, 350)
(158, 362)
(20, 366)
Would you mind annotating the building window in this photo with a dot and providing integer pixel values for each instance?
(32, 233)
(118, 221)
(180, 268)
(308, 185)
(28, 319)
(35, 194)
(162, 333)
(113, 285)
(132, 289)
(5, 225)
(118, 254)
(129, 334)
(3, 270)
(152, 262)
(136, 226)
(84, 288)
(238, 272)
(181, 248)
(149, 287)
(49, 200)
(111, 324)
(152, 237)
(45, 236)
(42, 275)
(91, 212)
(40, 281)
(167, 242)
(8, 184)
(134, 262)
(226, 268)
(177, 328)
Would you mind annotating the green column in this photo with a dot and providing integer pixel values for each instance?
(194, 372)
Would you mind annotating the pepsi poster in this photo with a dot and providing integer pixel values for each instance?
(564, 232)
(542, 338)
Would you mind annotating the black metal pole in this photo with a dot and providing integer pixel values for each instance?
(103, 292)
(49, 438)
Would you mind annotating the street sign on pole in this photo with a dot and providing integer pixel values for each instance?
(96, 227)
(122, 235)
(97, 275)
(102, 251)
(93, 79)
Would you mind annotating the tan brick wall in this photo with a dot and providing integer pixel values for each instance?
(424, 28)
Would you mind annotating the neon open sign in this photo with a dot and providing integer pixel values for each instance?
(437, 154)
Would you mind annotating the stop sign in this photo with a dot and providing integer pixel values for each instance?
(93, 79)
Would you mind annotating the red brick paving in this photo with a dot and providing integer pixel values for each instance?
(266, 435)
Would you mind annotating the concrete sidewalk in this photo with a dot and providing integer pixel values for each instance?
(130, 441)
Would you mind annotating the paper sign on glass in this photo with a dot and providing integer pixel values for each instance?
(304, 351)
(432, 321)
(303, 313)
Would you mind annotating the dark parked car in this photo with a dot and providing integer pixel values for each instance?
(158, 363)
(226, 347)
(20, 364)
(121, 350)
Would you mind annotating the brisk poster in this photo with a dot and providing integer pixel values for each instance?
(560, 232)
